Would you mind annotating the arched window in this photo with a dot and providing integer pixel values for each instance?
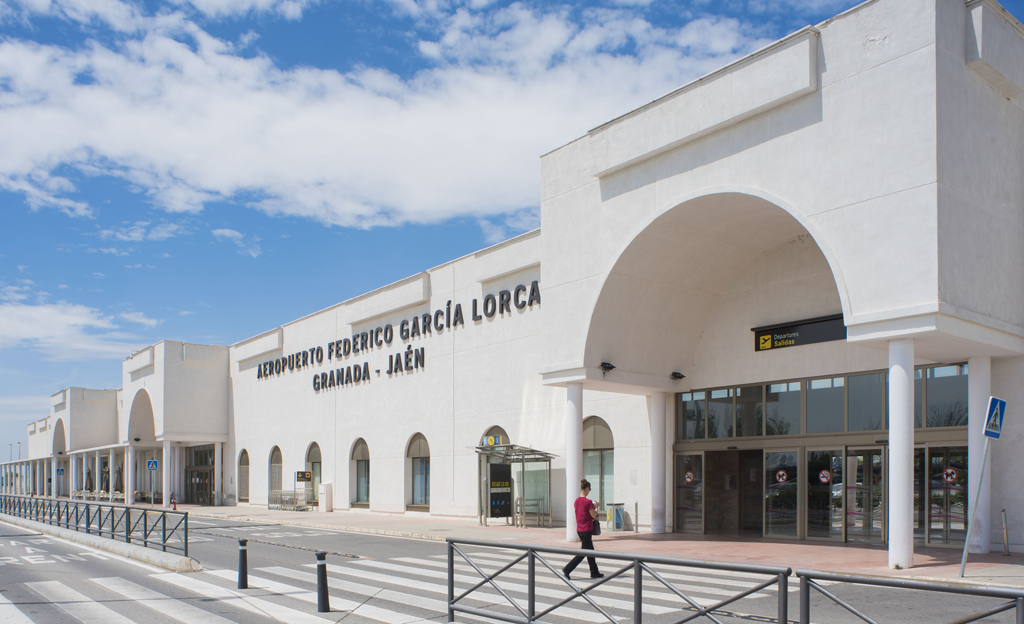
(360, 467)
(243, 477)
(418, 455)
(313, 464)
(599, 460)
(276, 470)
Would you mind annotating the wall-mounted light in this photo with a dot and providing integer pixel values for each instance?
(607, 366)
(138, 439)
(731, 448)
(677, 375)
(60, 452)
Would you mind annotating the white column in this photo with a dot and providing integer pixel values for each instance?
(573, 455)
(96, 483)
(37, 473)
(129, 475)
(166, 463)
(111, 470)
(979, 389)
(54, 488)
(901, 453)
(657, 418)
(72, 474)
(217, 455)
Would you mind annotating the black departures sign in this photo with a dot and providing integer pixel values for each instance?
(303, 477)
(797, 333)
(499, 482)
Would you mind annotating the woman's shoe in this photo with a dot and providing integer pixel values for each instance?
(597, 576)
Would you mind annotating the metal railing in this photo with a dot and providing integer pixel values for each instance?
(636, 566)
(809, 578)
(153, 528)
(289, 500)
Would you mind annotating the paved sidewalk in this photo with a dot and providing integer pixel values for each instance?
(930, 563)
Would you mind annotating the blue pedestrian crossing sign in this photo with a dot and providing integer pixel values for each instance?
(60, 472)
(994, 417)
(151, 464)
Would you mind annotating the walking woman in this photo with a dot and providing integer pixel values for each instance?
(586, 513)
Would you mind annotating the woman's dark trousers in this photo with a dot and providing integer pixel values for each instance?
(588, 544)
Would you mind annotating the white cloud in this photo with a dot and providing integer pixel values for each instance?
(179, 115)
(140, 318)
(247, 245)
(185, 313)
(63, 331)
(115, 251)
(140, 231)
(97, 275)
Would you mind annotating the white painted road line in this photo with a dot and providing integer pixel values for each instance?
(165, 605)
(249, 603)
(78, 606)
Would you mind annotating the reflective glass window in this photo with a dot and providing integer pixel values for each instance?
(750, 411)
(947, 396)
(690, 416)
(865, 402)
(782, 409)
(825, 405)
(720, 413)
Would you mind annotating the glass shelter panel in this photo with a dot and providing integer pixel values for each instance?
(825, 405)
(720, 413)
(781, 480)
(782, 409)
(690, 493)
(690, 416)
(825, 494)
(865, 402)
(750, 411)
(946, 388)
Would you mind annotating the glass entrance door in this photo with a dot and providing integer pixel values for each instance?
(199, 486)
(781, 494)
(947, 508)
(825, 494)
(690, 493)
(865, 509)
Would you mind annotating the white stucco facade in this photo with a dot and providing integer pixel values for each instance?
(864, 172)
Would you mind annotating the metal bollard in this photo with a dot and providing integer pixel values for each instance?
(323, 599)
(243, 565)
(1006, 540)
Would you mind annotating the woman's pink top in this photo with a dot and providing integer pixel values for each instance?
(583, 520)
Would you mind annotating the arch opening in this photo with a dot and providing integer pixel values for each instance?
(677, 277)
(359, 469)
(243, 476)
(276, 471)
(417, 459)
(141, 423)
(314, 465)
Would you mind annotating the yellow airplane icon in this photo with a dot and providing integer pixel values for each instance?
(766, 342)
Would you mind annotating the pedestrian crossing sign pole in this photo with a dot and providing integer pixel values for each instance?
(993, 428)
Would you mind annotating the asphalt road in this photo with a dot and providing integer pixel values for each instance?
(377, 579)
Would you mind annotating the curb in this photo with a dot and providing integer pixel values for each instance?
(167, 561)
(333, 527)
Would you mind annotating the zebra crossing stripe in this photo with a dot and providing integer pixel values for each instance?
(78, 606)
(10, 614)
(604, 601)
(607, 587)
(172, 608)
(438, 588)
(361, 609)
(238, 599)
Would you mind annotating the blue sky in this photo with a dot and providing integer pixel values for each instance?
(205, 170)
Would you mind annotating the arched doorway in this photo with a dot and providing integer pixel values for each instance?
(495, 436)
(314, 463)
(243, 477)
(417, 456)
(599, 460)
(276, 472)
(58, 484)
(359, 468)
(143, 485)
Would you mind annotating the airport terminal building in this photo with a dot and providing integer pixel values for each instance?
(773, 302)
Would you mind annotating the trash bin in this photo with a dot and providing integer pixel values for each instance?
(326, 498)
(616, 516)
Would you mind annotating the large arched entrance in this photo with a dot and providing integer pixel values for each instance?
(728, 313)
(59, 478)
(143, 482)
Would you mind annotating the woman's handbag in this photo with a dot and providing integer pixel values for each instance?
(597, 527)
